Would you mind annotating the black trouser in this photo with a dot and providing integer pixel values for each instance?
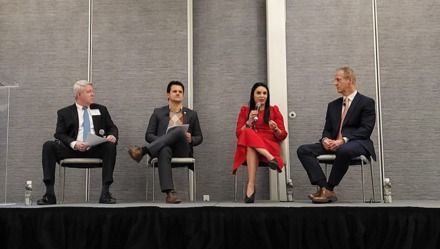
(54, 151)
(307, 154)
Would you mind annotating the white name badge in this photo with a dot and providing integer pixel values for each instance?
(95, 112)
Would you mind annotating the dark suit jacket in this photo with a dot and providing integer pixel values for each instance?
(159, 121)
(68, 123)
(358, 123)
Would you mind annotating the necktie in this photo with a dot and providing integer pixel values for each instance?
(86, 124)
(346, 102)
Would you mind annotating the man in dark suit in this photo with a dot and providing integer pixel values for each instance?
(74, 124)
(357, 114)
(176, 142)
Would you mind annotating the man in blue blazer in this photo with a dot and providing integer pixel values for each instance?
(351, 139)
(165, 143)
(74, 124)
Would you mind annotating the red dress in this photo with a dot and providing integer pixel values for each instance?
(262, 137)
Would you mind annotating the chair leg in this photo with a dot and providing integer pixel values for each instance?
(147, 181)
(244, 185)
(64, 184)
(362, 174)
(195, 182)
(191, 184)
(235, 187)
(60, 184)
(278, 187)
(289, 187)
(87, 194)
(236, 184)
(154, 169)
(372, 181)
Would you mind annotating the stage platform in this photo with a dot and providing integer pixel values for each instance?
(299, 224)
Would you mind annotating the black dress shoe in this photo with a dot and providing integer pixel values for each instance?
(107, 199)
(250, 199)
(273, 164)
(48, 199)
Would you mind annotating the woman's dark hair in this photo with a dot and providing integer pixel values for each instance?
(266, 105)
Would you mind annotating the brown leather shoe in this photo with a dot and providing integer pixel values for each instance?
(135, 153)
(172, 197)
(326, 196)
(316, 194)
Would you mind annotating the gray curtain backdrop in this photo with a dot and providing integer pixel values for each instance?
(139, 46)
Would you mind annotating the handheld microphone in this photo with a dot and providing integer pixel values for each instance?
(101, 132)
(257, 108)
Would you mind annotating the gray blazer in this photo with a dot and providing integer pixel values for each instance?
(159, 121)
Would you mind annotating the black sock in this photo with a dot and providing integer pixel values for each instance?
(330, 186)
(322, 183)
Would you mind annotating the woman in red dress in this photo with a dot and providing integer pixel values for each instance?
(260, 130)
